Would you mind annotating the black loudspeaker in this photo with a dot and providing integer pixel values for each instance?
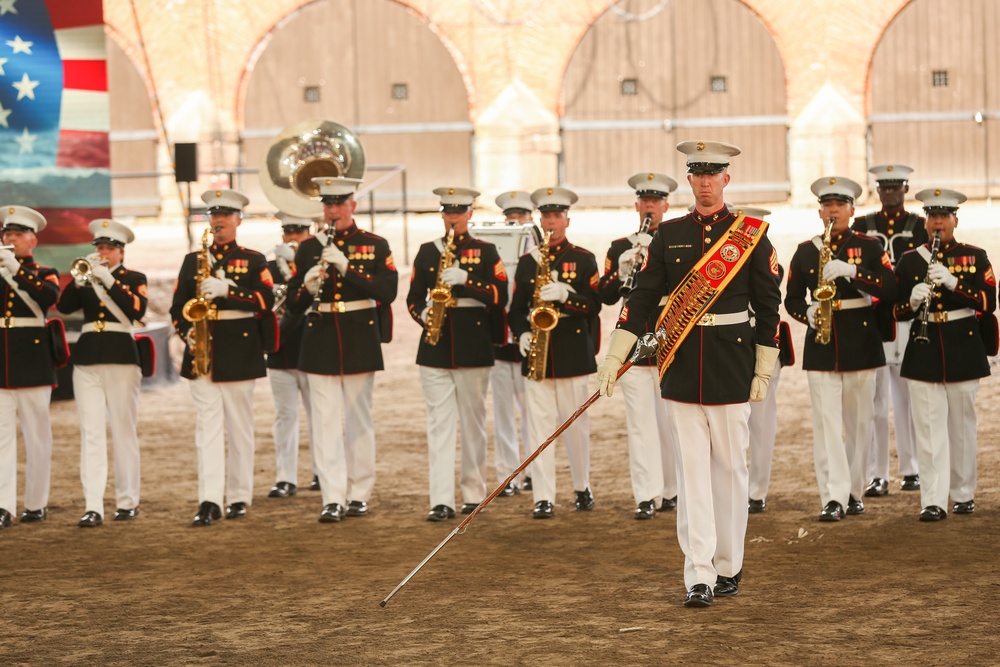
(186, 162)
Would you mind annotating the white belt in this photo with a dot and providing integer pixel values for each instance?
(232, 314)
(723, 319)
(952, 315)
(849, 304)
(468, 303)
(18, 322)
(101, 325)
(345, 306)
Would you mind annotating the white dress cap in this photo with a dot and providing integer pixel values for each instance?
(106, 229)
(891, 172)
(456, 196)
(651, 184)
(515, 199)
(707, 157)
(23, 218)
(225, 199)
(940, 198)
(553, 199)
(338, 187)
(836, 187)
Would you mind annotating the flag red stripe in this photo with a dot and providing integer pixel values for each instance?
(78, 148)
(85, 75)
(75, 13)
(69, 225)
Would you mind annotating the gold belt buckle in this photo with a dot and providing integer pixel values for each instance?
(339, 307)
(100, 325)
(940, 317)
(707, 320)
(835, 304)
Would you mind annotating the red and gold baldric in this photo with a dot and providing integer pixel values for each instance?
(703, 285)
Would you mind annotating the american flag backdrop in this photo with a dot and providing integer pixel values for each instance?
(55, 116)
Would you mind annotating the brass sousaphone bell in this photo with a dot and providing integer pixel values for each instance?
(303, 151)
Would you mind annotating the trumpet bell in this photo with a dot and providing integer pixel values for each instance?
(544, 318)
(80, 268)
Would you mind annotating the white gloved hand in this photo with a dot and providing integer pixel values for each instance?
(80, 281)
(103, 274)
(942, 276)
(335, 257)
(214, 288)
(622, 342)
(643, 240)
(454, 275)
(919, 293)
(763, 367)
(425, 312)
(311, 280)
(811, 315)
(285, 252)
(554, 292)
(9, 261)
(524, 343)
(838, 268)
(626, 261)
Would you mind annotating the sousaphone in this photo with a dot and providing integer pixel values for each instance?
(303, 151)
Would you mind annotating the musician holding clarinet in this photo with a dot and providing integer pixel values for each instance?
(949, 292)
(651, 455)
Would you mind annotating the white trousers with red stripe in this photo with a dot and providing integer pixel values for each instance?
(30, 407)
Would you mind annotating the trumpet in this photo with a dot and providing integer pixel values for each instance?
(82, 267)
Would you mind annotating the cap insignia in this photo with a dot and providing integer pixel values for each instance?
(833, 180)
(11, 210)
(937, 193)
(549, 191)
(650, 177)
(218, 193)
(104, 224)
(700, 146)
(513, 195)
(889, 168)
(329, 181)
(451, 191)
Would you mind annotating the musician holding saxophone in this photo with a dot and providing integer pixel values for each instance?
(106, 369)
(553, 315)
(651, 456)
(222, 309)
(843, 346)
(458, 286)
(950, 297)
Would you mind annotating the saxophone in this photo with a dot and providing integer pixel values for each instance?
(825, 291)
(441, 299)
(542, 316)
(200, 311)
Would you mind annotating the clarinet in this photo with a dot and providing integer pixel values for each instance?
(630, 280)
(925, 313)
(323, 266)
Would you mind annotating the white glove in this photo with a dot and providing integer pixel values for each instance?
(919, 293)
(454, 275)
(838, 268)
(524, 343)
(622, 342)
(643, 240)
(554, 292)
(9, 262)
(285, 252)
(811, 315)
(425, 312)
(942, 276)
(335, 257)
(311, 280)
(214, 288)
(763, 367)
(80, 281)
(626, 261)
(103, 274)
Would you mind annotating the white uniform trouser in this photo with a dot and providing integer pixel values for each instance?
(712, 442)
(888, 382)
(550, 403)
(224, 411)
(456, 398)
(507, 385)
(30, 407)
(345, 435)
(763, 429)
(944, 419)
(286, 386)
(651, 455)
(111, 390)
(842, 405)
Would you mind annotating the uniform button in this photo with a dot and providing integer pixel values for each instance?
(865, 323)
(310, 324)
(340, 243)
(337, 296)
(739, 340)
(678, 260)
(245, 334)
(37, 341)
(100, 315)
(890, 232)
(340, 284)
(708, 240)
(7, 314)
(578, 331)
(371, 322)
(101, 304)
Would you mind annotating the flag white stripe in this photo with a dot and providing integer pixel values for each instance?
(85, 110)
(85, 43)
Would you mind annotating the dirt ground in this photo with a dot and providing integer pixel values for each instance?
(278, 588)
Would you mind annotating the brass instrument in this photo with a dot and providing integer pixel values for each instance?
(925, 313)
(82, 268)
(542, 316)
(440, 295)
(629, 281)
(825, 291)
(200, 311)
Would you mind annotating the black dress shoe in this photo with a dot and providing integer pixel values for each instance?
(469, 508)
(34, 516)
(645, 510)
(584, 500)
(441, 513)
(755, 507)
(510, 490)
(910, 483)
(968, 507)
(314, 485)
(236, 510)
(833, 511)
(726, 587)
(543, 510)
(331, 513)
(855, 506)
(126, 515)
(5, 519)
(357, 508)
(207, 513)
(282, 490)
(877, 487)
(699, 595)
(527, 484)
(90, 520)
(668, 504)
(933, 513)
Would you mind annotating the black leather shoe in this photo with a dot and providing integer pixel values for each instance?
(5, 519)
(855, 506)
(527, 484)
(357, 508)
(510, 490)
(90, 520)
(331, 513)
(469, 508)
(543, 510)
(283, 490)
(236, 511)
(833, 511)
(699, 595)
(910, 483)
(645, 510)
(756, 506)
(584, 500)
(877, 487)
(968, 507)
(441, 513)
(727, 587)
(933, 513)
(314, 485)
(126, 515)
(34, 516)
(668, 504)
(207, 513)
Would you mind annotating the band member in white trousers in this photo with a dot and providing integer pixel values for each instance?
(763, 430)
(889, 383)
(287, 386)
